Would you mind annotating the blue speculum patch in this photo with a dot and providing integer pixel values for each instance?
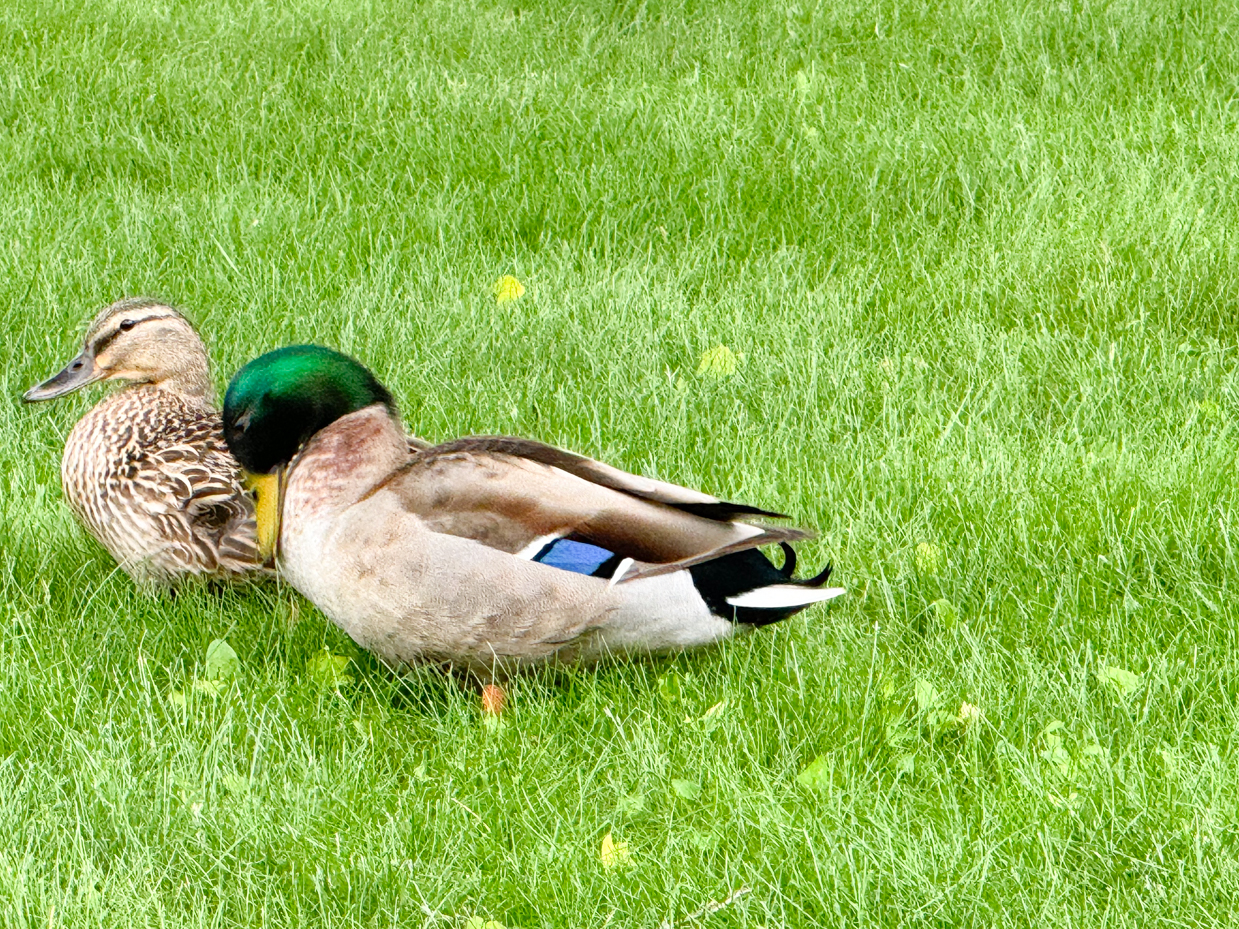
(577, 557)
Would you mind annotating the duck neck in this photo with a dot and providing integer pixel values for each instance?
(189, 375)
(347, 459)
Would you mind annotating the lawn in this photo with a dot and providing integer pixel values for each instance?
(973, 269)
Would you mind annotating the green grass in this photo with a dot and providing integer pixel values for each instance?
(978, 261)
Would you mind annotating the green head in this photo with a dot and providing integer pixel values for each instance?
(279, 400)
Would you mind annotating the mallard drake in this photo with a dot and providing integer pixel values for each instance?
(146, 471)
(488, 553)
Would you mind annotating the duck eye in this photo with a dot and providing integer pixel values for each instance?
(127, 324)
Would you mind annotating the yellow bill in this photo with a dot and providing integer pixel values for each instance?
(269, 491)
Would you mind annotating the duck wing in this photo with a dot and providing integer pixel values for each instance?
(217, 513)
(519, 496)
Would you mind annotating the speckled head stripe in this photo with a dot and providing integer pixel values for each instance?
(124, 316)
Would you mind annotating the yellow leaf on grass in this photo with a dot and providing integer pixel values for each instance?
(1122, 682)
(969, 714)
(614, 854)
(508, 288)
(718, 362)
(928, 558)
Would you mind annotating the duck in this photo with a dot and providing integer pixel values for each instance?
(146, 471)
(489, 555)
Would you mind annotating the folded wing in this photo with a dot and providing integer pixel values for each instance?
(518, 496)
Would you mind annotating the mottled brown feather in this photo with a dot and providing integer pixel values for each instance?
(149, 475)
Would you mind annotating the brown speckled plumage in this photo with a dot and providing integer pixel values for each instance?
(148, 474)
(147, 471)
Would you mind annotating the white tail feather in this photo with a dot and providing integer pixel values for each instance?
(620, 570)
(782, 596)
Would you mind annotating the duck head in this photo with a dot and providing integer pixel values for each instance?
(276, 403)
(139, 341)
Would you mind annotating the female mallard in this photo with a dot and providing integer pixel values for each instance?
(487, 553)
(146, 471)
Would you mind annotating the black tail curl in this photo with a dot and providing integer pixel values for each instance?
(741, 572)
(789, 560)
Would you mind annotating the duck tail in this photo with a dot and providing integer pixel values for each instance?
(789, 561)
(746, 587)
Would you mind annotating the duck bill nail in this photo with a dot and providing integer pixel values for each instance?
(75, 375)
(268, 489)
